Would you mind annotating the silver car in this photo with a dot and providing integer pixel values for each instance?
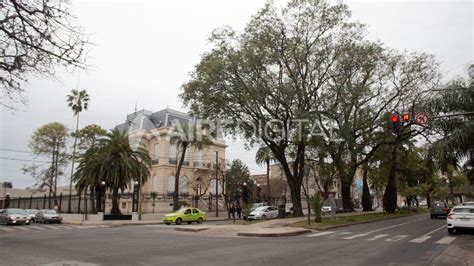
(32, 214)
(14, 216)
(264, 212)
(48, 216)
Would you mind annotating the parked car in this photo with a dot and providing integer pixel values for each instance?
(326, 207)
(14, 216)
(254, 207)
(187, 215)
(468, 203)
(460, 217)
(48, 216)
(32, 214)
(439, 208)
(264, 212)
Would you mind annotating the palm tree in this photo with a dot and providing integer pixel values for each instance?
(265, 156)
(113, 161)
(77, 100)
(184, 137)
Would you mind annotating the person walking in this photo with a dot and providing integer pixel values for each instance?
(232, 211)
(239, 211)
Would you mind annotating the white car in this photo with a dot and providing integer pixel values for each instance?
(468, 203)
(460, 217)
(264, 212)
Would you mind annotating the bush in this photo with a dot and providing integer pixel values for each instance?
(406, 210)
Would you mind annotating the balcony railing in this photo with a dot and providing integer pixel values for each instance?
(155, 161)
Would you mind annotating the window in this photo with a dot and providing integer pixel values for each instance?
(184, 184)
(463, 210)
(124, 205)
(154, 184)
(213, 186)
(195, 211)
(199, 157)
(173, 153)
(171, 184)
(188, 211)
(155, 151)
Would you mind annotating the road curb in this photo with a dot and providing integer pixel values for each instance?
(191, 229)
(274, 234)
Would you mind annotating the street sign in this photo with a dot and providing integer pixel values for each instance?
(421, 119)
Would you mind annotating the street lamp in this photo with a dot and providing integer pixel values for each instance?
(135, 196)
(104, 194)
(153, 195)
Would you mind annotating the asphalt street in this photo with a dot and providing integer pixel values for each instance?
(414, 240)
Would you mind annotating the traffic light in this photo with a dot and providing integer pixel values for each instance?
(406, 118)
(396, 124)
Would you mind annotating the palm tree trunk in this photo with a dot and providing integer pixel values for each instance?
(176, 180)
(115, 205)
(72, 163)
(268, 179)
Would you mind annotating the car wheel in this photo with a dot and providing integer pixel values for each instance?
(179, 221)
(451, 231)
(264, 217)
(167, 223)
(199, 221)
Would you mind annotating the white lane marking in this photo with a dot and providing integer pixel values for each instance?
(37, 227)
(343, 233)
(51, 227)
(420, 239)
(446, 240)
(396, 238)
(320, 234)
(385, 228)
(7, 229)
(377, 237)
(65, 226)
(355, 236)
(22, 228)
(439, 228)
(81, 227)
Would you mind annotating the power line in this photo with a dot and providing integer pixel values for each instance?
(3, 149)
(23, 160)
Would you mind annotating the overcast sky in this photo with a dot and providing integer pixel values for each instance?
(145, 51)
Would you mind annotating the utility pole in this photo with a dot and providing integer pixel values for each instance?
(217, 186)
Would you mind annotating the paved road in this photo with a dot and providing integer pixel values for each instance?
(413, 240)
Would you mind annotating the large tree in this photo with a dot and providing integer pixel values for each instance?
(185, 136)
(77, 101)
(113, 161)
(49, 140)
(264, 81)
(36, 36)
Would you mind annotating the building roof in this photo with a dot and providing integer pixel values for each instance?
(147, 120)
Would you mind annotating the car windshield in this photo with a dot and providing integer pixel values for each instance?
(32, 211)
(259, 209)
(50, 211)
(16, 211)
(180, 210)
(463, 210)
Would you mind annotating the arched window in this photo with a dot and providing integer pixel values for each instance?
(171, 184)
(154, 184)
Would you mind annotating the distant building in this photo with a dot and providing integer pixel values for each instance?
(196, 177)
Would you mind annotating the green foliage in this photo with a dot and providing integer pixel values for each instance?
(113, 161)
(316, 205)
(235, 176)
(50, 141)
(88, 136)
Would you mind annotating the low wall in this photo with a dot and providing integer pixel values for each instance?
(72, 217)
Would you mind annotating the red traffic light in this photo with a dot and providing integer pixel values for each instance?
(394, 118)
(406, 118)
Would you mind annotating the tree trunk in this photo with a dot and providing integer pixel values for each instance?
(115, 204)
(176, 180)
(366, 198)
(408, 199)
(72, 163)
(390, 195)
(268, 178)
(346, 196)
(428, 200)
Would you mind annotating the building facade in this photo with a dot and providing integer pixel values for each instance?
(197, 178)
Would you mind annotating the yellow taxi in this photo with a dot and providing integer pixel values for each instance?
(187, 215)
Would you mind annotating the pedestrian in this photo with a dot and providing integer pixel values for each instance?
(232, 210)
(239, 211)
